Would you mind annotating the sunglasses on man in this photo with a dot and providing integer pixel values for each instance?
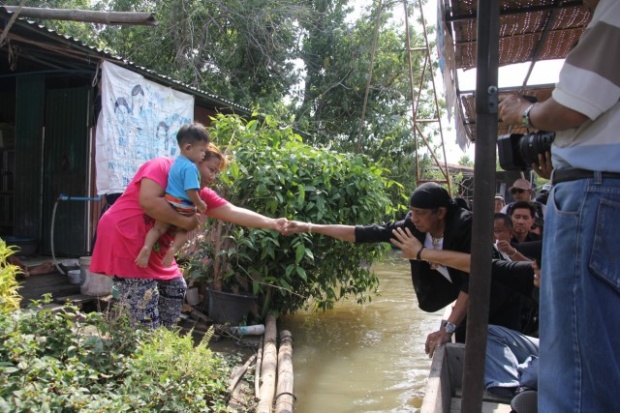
(517, 191)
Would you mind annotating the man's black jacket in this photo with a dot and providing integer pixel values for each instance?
(433, 290)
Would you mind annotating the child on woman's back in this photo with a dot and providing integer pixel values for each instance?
(181, 193)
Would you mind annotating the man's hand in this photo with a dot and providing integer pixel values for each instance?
(544, 167)
(511, 109)
(436, 339)
(505, 247)
(408, 244)
(536, 274)
(280, 225)
(295, 227)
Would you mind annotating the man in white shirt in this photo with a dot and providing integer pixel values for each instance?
(579, 324)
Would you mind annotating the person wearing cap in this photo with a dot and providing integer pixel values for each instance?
(521, 190)
(438, 223)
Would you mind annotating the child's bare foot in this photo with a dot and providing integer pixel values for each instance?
(142, 260)
(168, 258)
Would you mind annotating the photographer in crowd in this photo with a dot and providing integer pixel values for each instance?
(580, 274)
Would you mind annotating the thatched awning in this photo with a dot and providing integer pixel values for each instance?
(530, 31)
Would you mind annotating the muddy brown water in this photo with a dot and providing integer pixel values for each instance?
(366, 358)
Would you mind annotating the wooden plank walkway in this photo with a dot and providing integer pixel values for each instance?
(35, 286)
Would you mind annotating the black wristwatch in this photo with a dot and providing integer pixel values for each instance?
(449, 327)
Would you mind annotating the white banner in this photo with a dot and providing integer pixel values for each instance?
(139, 120)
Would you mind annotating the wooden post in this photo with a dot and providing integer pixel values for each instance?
(484, 191)
(284, 393)
(268, 370)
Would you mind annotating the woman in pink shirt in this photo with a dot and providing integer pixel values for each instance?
(153, 295)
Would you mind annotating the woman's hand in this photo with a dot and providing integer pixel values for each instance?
(280, 225)
(152, 201)
(295, 227)
(408, 244)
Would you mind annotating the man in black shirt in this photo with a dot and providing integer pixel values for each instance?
(438, 223)
(512, 358)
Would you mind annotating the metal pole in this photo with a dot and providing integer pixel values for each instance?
(484, 190)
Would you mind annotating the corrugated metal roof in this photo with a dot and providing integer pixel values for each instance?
(76, 55)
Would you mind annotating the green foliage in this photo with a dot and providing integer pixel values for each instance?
(466, 161)
(62, 361)
(357, 96)
(9, 298)
(276, 174)
(86, 32)
(239, 49)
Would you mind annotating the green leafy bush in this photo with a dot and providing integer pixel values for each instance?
(9, 298)
(67, 362)
(273, 172)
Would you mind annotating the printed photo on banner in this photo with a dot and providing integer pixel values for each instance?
(138, 121)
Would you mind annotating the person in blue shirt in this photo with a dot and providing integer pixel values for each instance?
(181, 190)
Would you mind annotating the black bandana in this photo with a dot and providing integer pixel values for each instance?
(429, 196)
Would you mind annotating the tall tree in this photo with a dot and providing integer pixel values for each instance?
(238, 49)
(357, 93)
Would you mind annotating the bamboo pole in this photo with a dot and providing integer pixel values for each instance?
(268, 371)
(284, 393)
(89, 16)
(259, 363)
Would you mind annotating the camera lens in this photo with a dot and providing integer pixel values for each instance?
(533, 144)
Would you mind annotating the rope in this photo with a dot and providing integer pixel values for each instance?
(285, 393)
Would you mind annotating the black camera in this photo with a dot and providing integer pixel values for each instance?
(517, 152)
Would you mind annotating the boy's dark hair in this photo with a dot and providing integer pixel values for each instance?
(507, 220)
(192, 133)
(522, 205)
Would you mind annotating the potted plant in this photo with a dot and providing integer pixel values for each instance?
(207, 262)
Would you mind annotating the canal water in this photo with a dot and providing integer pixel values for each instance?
(366, 358)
